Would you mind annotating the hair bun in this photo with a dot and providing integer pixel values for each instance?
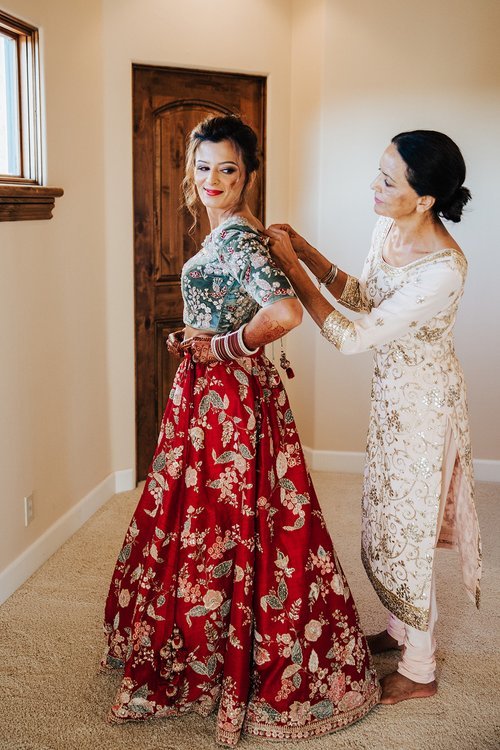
(453, 209)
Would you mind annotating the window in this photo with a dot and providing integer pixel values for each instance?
(10, 136)
(19, 102)
(22, 194)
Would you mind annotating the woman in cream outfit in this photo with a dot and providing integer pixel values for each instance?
(418, 482)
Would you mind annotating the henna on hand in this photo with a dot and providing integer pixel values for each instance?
(200, 349)
(262, 330)
(173, 342)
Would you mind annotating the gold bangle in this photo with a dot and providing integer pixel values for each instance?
(329, 276)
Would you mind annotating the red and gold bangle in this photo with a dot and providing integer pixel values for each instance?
(230, 346)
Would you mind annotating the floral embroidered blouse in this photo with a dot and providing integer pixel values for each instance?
(230, 278)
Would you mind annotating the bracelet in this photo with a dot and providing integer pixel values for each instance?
(230, 346)
(244, 348)
(330, 275)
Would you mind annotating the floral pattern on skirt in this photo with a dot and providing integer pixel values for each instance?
(227, 593)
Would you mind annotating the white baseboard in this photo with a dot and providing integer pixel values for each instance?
(124, 480)
(351, 462)
(347, 462)
(28, 562)
(486, 470)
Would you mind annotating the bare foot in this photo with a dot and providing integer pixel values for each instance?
(382, 642)
(396, 687)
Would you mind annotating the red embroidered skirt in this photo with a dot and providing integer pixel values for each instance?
(227, 594)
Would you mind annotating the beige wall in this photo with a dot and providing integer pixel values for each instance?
(389, 67)
(306, 75)
(54, 433)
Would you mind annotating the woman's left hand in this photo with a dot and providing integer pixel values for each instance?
(281, 248)
(200, 349)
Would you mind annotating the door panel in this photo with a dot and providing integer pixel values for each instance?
(167, 104)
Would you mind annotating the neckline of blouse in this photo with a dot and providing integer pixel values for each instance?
(419, 261)
(236, 220)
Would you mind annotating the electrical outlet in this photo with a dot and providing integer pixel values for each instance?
(28, 510)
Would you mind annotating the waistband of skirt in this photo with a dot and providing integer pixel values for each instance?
(261, 352)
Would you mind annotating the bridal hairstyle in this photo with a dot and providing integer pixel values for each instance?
(216, 129)
(436, 167)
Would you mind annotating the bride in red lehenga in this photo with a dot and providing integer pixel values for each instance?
(227, 593)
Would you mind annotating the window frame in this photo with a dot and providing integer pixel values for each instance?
(25, 196)
(28, 99)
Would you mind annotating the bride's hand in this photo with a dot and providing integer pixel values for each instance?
(174, 341)
(200, 349)
(299, 244)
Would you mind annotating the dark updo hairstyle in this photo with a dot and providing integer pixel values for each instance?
(436, 167)
(216, 129)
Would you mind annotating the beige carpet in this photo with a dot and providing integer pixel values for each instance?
(53, 698)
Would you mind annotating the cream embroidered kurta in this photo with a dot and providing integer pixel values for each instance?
(418, 409)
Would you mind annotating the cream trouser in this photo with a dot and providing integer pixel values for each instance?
(419, 646)
(418, 661)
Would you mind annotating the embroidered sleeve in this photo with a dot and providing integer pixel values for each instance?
(247, 259)
(353, 298)
(336, 327)
(407, 309)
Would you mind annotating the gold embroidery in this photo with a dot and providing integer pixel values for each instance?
(312, 729)
(352, 297)
(430, 335)
(417, 617)
(336, 327)
(434, 397)
(454, 255)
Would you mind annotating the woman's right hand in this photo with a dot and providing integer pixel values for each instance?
(174, 341)
(299, 244)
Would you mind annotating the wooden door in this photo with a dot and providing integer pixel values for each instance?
(167, 104)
